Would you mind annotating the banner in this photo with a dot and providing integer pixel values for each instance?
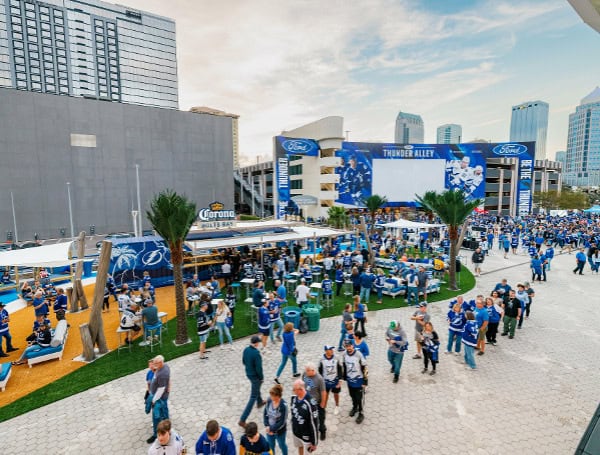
(284, 148)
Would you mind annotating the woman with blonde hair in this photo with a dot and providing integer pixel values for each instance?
(222, 314)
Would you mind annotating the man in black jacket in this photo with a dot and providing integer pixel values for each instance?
(477, 260)
(512, 313)
(305, 418)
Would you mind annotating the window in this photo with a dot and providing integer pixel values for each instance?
(17, 28)
(296, 184)
(36, 77)
(32, 47)
(34, 55)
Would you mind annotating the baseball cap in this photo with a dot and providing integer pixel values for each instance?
(328, 347)
(2, 304)
(393, 324)
(423, 304)
(348, 342)
(203, 303)
(255, 339)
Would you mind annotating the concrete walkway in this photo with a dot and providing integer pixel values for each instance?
(534, 394)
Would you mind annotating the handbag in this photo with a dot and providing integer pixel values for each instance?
(295, 352)
(229, 322)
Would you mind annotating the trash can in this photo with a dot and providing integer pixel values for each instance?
(292, 314)
(87, 268)
(313, 314)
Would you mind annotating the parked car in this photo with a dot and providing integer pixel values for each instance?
(113, 236)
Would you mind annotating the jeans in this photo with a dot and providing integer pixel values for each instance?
(280, 439)
(470, 356)
(365, 293)
(395, 359)
(255, 397)
(548, 264)
(279, 323)
(8, 340)
(159, 412)
(509, 325)
(338, 287)
(284, 359)
(454, 338)
(410, 293)
(222, 327)
(379, 294)
(343, 336)
(579, 268)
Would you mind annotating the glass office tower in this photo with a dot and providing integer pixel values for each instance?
(450, 133)
(90, 49)
(582, 163)
(409, 129)
(529, 122)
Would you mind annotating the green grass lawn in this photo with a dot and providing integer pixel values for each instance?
(113, 365)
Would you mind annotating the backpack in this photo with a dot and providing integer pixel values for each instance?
(303, 327)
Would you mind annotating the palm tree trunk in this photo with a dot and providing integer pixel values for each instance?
(96, 324)
(181, 331)
(453, 237)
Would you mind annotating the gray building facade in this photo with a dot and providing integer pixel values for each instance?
(88, 48)
(47, 141)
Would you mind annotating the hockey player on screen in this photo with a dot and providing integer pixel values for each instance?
(355, 181)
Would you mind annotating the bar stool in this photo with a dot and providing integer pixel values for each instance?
(122, 345)
(153, 336)
(236, 287)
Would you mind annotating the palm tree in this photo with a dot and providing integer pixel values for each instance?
(453, 208)
(374, 203)
(337, 217)
(171, 216)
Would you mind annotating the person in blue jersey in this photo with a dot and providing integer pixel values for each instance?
(536, 268)
(360, 315)
(305, 418)
(430, 343)
(580, 260)
(307, 274)
(60, 304)
(339, 280)
(532, 250)
(347, 320)
(215, 440)
(264, 323)
(366, 283)
(379, 285)
(275, 304)
(457, 320)
(469, 340)
(275, 419)
(514, 243)
(280, 290)
(495, 314)
(523, 298)
(360, 344)
(482, 318)
(327, 288)
(331, 370)
(549, 253)
(503, 289)
(288, 351)
(506, 243)
(397, 345)
(355, 373)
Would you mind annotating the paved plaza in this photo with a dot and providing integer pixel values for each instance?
(534, 394)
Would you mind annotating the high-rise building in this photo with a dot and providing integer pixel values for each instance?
(561, 157)
(234, 129)
(89, 49)
(529, 122)
(409, 129)
(450, 133)
(582, 167)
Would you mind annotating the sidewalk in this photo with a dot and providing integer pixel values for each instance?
(532, 395)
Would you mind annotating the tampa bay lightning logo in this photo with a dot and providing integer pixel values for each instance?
(299, 146)
(509, 149)
(152, 258)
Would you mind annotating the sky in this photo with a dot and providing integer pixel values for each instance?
(281, 64)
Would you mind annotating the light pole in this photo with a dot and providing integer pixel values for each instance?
(139, 205)
(134, 215)
(12, 201)
(70, 210)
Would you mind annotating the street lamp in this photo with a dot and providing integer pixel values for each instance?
(70, 210)
(139, 205)
(12, 201)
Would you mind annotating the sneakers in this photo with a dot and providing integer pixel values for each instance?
(432, 373)
(494, 343)
(11, 349)
(336, 410)
(395, 379)
(352, 413)
(503, 334)
(360, 418)
(2, 354)
(296, 375)
(279, 338)
(341, 349)
(416, 356)
(276, 381)
(480, 353)
(424, 371)
(203, 357)
(511, 336)
(151, 439)
(392, 370)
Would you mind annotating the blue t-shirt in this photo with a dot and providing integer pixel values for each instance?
(264, 318)
(327, 287)
(360, 311)
(481, 315)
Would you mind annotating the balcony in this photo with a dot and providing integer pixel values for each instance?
(330, 161)
(329, 195)
(329, 178)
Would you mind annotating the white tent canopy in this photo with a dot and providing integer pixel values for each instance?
(406, 224)
(56, 255)
(297, 233)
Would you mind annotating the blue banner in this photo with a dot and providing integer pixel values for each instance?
(284, 148)
(525, 153)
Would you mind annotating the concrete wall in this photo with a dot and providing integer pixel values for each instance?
(188, 152)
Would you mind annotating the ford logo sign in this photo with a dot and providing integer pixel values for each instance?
(408, 147)
(509, 149)
(298, 146)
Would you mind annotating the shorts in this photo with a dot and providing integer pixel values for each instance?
(333, 388)
(203, 337)
(265, 332)
(299, 442)
(418, 335)
(481, 334)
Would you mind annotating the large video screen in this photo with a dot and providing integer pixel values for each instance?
(428, 175)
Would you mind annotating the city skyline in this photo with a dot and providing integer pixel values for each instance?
(464, 62)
